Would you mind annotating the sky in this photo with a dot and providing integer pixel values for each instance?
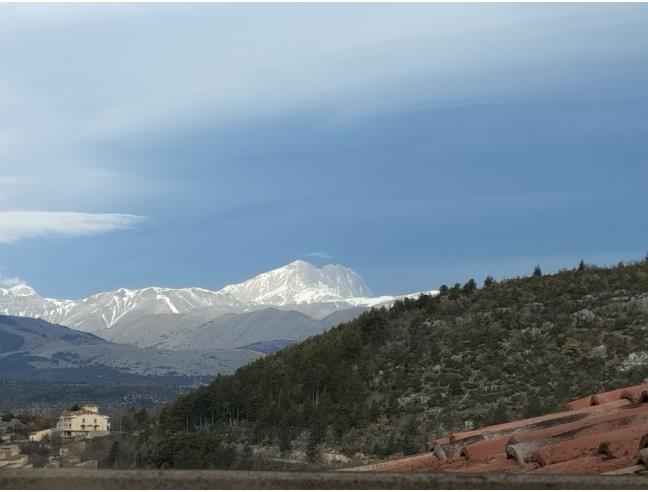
(420, 144)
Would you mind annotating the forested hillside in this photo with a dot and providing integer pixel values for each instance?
(392, 379)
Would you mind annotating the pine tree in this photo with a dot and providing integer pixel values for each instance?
(489, 281)
(319, 421)
(409, 435)
(581, 265)
(141, 419)
(498, 414)
(537, 272)
(113, 455)
(469, 287)
(533, 407)
(455, 291)
(284, 436)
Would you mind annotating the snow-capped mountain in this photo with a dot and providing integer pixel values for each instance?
(146, 317)
(106, 309)
(299, 282)
(22, 300)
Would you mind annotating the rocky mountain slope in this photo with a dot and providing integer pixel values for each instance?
(35, 349)
(270, 325)
(392, 379)
(230, 330)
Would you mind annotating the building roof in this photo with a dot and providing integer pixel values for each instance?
(87, 409)
(72, 413)
(605, 433)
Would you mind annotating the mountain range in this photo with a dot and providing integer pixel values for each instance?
(296, 284)
(35, 349)
(236, 323)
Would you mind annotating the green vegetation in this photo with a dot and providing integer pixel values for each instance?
(131, 442)
(45, 397)
(392, 379)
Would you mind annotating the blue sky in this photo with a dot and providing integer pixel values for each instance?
(420, 144)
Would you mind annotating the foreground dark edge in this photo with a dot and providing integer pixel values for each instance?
(216, 479)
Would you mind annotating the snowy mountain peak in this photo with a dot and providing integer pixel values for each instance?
(297, 264)
(299, 282)
(22, 290)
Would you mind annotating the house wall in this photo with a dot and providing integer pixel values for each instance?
(82, 423)
(39, 435)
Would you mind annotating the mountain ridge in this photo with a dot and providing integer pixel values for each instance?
(299, 286)
(32, 348)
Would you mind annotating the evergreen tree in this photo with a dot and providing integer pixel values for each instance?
(284, 437)
(581, 265)
(247, 458)
(321, 414)
(498, 414)
(455, 291)
(409, 435)
(533, 407)
(537, 272)
(469, 287)
(113, 455)
(455, 388)
(315, 436)
(489, 281)
(141, 419)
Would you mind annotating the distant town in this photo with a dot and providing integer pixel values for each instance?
(80, 436)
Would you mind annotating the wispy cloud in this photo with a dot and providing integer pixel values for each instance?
(320, 254)
(10, 281)
(15, 226)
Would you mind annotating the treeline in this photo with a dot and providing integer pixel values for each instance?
(390, 380)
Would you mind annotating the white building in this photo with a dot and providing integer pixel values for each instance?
(38, 436)
(85, 422)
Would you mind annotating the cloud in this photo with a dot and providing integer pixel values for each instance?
(10, 281)
(320, 254)
(15, 226)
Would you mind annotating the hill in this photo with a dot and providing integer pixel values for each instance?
(33, 349)
(392, 379)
